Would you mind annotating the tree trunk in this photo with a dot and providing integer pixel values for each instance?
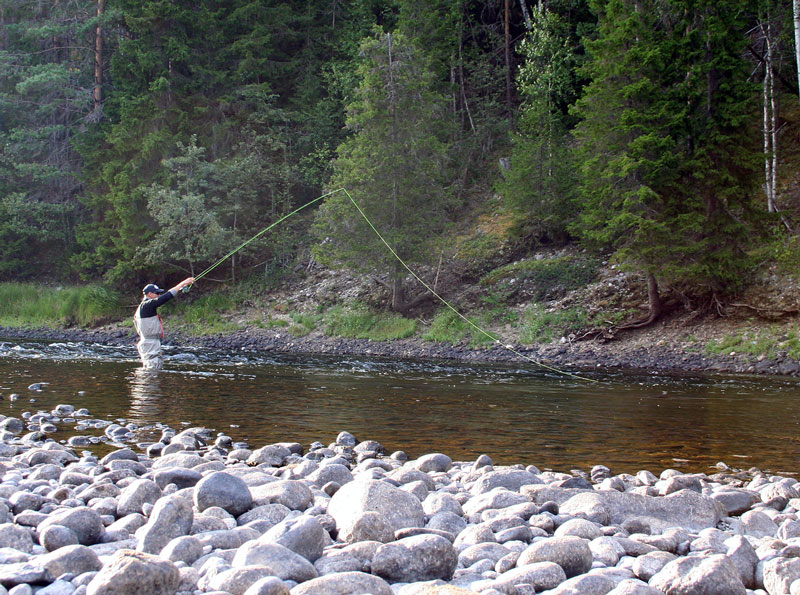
(796, 8)
(508, 62)
(98, 57)
(655, 303)
(526, 14)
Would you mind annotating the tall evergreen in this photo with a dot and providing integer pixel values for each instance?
(539, 184)
(667, 153)
(46, 67)
(394, 166)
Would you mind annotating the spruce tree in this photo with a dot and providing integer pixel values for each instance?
(667, 155)
(393, 166)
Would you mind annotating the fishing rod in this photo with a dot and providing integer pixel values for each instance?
(452, 308)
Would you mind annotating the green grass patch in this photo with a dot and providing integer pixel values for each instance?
(541, 326)
(30, 305)
(766, 342)
(565, 272)
(303, 324)
(449, 327)
(204, 315)
(360, 322)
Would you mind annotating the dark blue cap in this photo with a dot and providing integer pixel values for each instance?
(152, 287)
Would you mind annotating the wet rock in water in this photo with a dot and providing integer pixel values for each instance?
(12, 425)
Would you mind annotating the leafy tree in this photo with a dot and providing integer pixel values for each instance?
(188, 231)
(667, 156)
(393, 166)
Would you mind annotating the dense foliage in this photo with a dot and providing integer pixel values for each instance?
(146, 138)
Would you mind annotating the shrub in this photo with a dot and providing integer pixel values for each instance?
(565, 272)
(360, 322)
(26, 304)
(541, 326)
(449, 327)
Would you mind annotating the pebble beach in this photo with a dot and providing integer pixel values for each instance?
(195, 512)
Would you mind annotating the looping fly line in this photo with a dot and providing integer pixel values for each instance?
(478, 329)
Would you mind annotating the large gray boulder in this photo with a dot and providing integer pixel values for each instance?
(135, 495)
(281, 561)
(75, 559)
(222, 489)
(571, 553)
(511, 479)
(293, 494)
(714, 575)
(16, 537)
(780, 573)
(171, 517)
(86, 523)
(135, 572)
(239, 580)
(398, 507)
(344, 583)
(685, 508)
(542, 576)
(303, 535)
(414, 559)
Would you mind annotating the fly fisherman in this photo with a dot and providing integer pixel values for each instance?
(148, 323)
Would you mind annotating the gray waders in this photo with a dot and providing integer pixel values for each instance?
(150, 332)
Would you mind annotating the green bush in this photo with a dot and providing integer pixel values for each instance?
(27, 304)
(204, 315)
(766, 342)
(360, 322)
(540, 326)
(565, 272)
(303, 323)
(449, 327)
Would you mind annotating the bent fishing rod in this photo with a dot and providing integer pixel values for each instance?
(452, 308)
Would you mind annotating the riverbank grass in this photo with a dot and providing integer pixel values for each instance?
(360, 322)
(449, 327)
(26, 305)
(764, 342)
(204, 315)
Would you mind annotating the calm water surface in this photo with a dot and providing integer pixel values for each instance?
(513, 414)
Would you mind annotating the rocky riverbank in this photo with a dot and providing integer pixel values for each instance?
(631, 354)
(195, 513)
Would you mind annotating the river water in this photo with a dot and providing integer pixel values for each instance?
(515, 414)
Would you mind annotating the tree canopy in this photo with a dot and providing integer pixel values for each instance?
(142, 136)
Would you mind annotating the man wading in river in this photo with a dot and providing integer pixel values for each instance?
(148, 323)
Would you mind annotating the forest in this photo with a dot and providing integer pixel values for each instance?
(143, 138)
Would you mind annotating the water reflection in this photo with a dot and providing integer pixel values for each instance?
(513, 414)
